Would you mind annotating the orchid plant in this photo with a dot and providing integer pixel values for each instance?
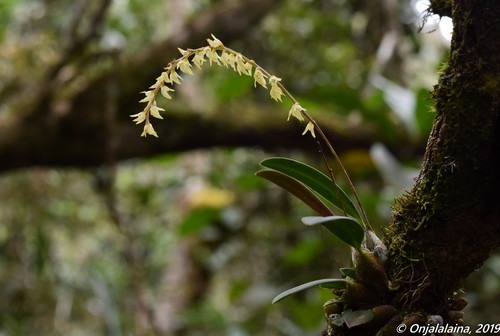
(359, 295)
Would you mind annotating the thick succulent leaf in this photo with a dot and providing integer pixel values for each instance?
(346, 228)
(354, 318)
(314, 179)
(297, 189)
(328, 283)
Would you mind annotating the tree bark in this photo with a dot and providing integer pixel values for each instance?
(449, 223)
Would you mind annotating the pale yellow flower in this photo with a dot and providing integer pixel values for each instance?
(139, 117)
(276, 92)
(213, 56)
(215, 43)
(296, 111)
(199, 58)
(164, 91)
(259, 78)
(162, 78)
(227, 60)
(148, 98)
(174, 77)
(155, 85)
(155, 111)
(243, 66)
(185, 66)
(310, 128)
(148, 129)
(182, 51)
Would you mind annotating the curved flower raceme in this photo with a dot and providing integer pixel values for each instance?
(227, 58)
(216, 53)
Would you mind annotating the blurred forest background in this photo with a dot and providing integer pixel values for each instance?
(106, 233)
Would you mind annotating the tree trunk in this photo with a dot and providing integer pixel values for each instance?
(448, 224)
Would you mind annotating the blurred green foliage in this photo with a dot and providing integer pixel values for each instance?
(66, 269)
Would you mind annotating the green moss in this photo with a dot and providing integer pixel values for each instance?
(491, 84)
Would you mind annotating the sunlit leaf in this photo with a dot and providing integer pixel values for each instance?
(346, 228)
(327, 283)
(315, 180)
(297, 189)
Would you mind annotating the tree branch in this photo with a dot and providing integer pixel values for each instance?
(49, 130)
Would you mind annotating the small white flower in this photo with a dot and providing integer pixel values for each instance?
(215, 43)
(155, 111)
(162, 78)
(155, 85)
(249, 68)
(227, 60)
(182, 51)
(310, 128)
(199, 58)
(276, 92)
(259, 78)
(148, 129)
(185, 66)
(174, 77)
(139, 117)
(213, 56)
(164, 91)
(296, 111)
(243, 66)
(148, 98)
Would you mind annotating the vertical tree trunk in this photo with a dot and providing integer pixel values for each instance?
(449, 223)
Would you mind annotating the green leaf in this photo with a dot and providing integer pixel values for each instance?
(315, 180)
(354, 318)
(350, 272)
(328, 283)
(297, 189)
(346, 228)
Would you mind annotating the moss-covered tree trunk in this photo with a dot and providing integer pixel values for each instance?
(449, 223)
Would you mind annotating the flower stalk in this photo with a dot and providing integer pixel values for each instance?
(229, 58)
